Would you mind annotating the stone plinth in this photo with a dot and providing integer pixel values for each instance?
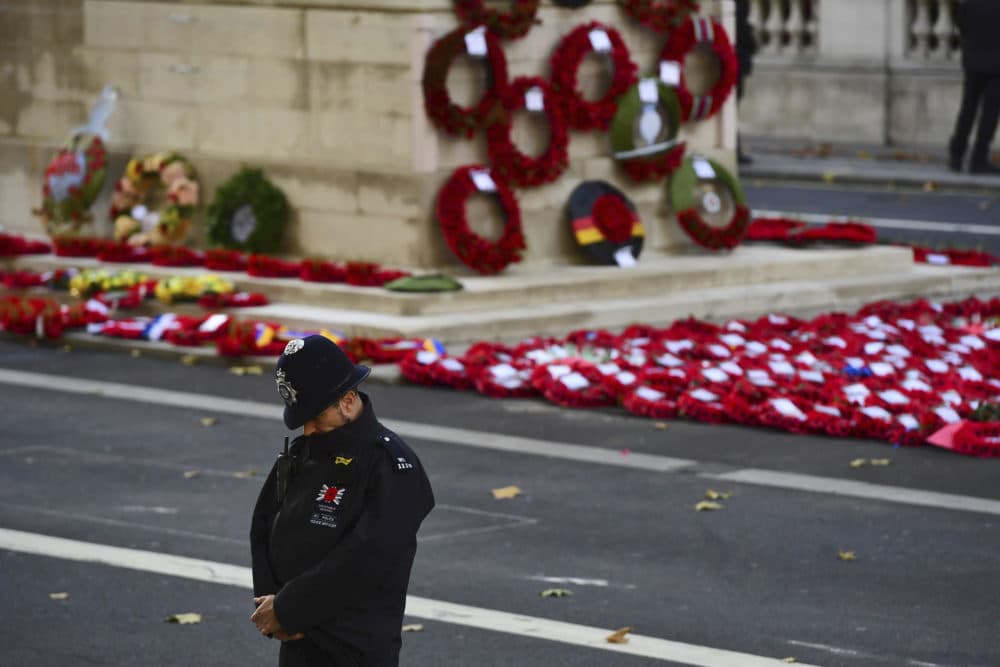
(325, 95)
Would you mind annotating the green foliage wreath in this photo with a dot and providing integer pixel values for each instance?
(249, 213)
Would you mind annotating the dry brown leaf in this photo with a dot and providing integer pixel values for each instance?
(661, 426)
(245, 474)
(413, 627)
(506, 492)
(829, 176)
(789, 659)
(985, 205)
(707, 506)
(66, 348)
(859, 463)
(191, 474)
(254, 370)
(238, 370)
(865, 155)
(880, 462)
(847, 555)
(189, 360)
(58, 596)
(930, 186)
(718, 495)
(619, 636)
(187, 618)
(208, 421)
(556, 593)
(136, 353)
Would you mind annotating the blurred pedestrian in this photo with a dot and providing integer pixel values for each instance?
(746, 47)
(979, 26)
(334, 531)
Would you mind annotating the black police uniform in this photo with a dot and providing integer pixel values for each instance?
(979, 25)
(337, 551)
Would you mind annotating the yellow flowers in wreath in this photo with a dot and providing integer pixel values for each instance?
(155, 201)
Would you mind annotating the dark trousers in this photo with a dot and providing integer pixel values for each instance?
(304, 653)
(980, 94)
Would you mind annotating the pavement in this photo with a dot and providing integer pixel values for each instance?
(102, 462)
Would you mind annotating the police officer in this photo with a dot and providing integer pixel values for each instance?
(979, 25)
(334, 531)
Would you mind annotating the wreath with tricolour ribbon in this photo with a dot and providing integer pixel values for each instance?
(565, 61)
(660, 15)
(511, 24)
(476, 252)
(534, 95)
(686, 203)
(249, 213)
(605, 223)
(644, 131)
(700, 30)
(453, 119)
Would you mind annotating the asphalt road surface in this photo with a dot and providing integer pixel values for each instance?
(95, 446)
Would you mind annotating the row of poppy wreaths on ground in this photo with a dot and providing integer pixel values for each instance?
(797, 232)
(361, 274)
(896, 372)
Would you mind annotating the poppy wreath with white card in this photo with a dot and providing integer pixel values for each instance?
(486, 257)
(691, 34)
(709, 204)
(453, 119)
(512, 24)
(644, 131)
(605, 224)
(582, 114)
(534, 95)
(660, 15)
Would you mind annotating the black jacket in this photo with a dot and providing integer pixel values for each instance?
(979, 24)
(337, 552)
(746, 43)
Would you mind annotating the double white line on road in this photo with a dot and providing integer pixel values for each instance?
(521, 446)
(416, 607)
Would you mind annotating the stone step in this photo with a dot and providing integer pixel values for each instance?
(535, 286)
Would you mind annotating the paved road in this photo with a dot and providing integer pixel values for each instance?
(971, 211)
(760, 577)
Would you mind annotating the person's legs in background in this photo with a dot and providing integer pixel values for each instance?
(989, 115)
(972, 91)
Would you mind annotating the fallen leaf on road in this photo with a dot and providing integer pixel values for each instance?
(413, 627)
(189, 360)
(707, 505)
(661, 426)
(506, 492)
(789, 659)
(626, 452)
(58, 596)
(865, 155)
(829, 177)
(718, 495)
(619, 636)
(880, 462)
(985, 205)
(847, 555)
(136, 353)
(859, 463)
(245, 474)
(208, 421)
(187, 618)
(246, 370)
(556, 593)
(930, 186)
(66, 348)
(191, 474)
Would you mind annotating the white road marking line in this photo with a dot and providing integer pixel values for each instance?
(519, 445)
(888, 223)
(854, 489)
(444, 434)
(511, 521)
(417, 607)
(861, 655)
(577, 581)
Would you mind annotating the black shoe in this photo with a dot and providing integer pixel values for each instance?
(987, 168)
(743, 158)
(955, 164)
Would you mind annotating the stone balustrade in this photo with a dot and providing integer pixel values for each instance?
(785, 27)
(933, 35)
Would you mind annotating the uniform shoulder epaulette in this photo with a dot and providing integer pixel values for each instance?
(400, 456)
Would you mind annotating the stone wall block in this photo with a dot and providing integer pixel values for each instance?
(201, 79)
(274, 134)
(358, 37)
(115, 25)
(153, 125)
(319, 188)
(356, 237)
(392, 195)
(101, 66)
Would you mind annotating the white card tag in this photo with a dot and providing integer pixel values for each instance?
(626, 377)
(482, 180)
(704, 395)
(876, 412)
(806, 359)
(760, 378)
(827, 410)
(669, 361)
(475, 42)
(649, 91)
(856, 393)
(720, 351)
(608, 369)
(534, 100)
(732, 340)
(755, 348)
(953, 397)
(715, 375)
(731, 368)
(649, 394)
(213, 323)
(779, 344)
(935, 258)
(540, 357)
(503, 371)
(670, 72)
(812, 376)
(873, 348)
(676, 346)
(781, 368)
(881, 369)
(909, 422)
(600, 41)
(426, 357)
(936, 365)
(574, 381)
(898, 351)
(947, 414)
(893, 397)
(624, 257)
(970, 373)
(915, 384)
(909, 325)
(453, 365)
(855, 362)
(836, 341)
(975, 342)
(787, 408)
(703, 168)
(993, 334)
(558, 370)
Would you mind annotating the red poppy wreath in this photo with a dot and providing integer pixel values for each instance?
(445, 114)
(486, 257)
(513, 24)
(688, 36)
(659, 15)
(709, 203)
(534, 95)
(565, 61)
